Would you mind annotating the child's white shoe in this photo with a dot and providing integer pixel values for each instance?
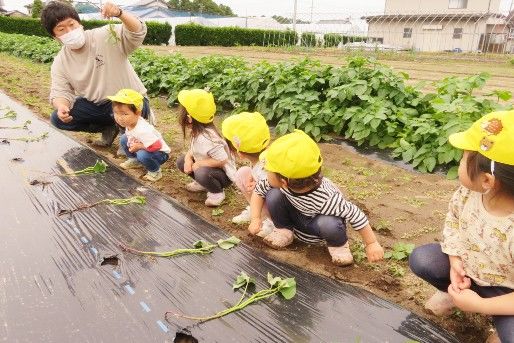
(195, 187)
(242, 218)
(153, 176)
(341, 256)
(279, 238)
(440, 304)
(266, 228)
(131, 163)
(214, 199)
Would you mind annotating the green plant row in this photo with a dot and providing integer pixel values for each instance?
(198, 35)
(158, 33)
(363, 101)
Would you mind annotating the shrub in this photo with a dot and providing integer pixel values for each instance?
(308, 39)
(198, 35)
(157, 33)
(332, 39)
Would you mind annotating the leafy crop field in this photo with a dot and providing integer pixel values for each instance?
(382, 108)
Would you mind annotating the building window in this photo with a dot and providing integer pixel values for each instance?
(407, 32)
(457, 33)
(511, 33)
(458, 4)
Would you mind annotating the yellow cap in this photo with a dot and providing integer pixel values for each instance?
(248, 132)
(491, 136)
(199, 104)
(129, 97)
(294, 156)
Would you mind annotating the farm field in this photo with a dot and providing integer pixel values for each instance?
(403, 206)
(420, 67)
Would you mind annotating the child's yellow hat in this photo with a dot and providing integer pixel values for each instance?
(294, 156)
(248, 132)
(129, 97)
(491, 136)
(199, 104)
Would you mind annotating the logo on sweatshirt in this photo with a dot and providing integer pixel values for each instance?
(99, 60)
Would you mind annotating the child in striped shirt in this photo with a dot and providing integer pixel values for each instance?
(305, 204)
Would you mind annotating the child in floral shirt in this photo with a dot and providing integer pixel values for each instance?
(473, 268)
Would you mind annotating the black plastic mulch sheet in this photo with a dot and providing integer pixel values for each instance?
(54, 288)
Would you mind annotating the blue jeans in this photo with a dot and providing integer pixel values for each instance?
(91, 117)
(432, 265)
(284, 215)
(150, 160)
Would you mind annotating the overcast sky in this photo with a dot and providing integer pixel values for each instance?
(330, 8)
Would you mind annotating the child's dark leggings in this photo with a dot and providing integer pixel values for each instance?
(432, 265)
(330, 229)
(213, 179)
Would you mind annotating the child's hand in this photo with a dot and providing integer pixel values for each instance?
(188, 166)
(374, 252)
(250, 184)
(458, 275)
(466, 299)
(195, 166)
(135, 146)
(255, 226)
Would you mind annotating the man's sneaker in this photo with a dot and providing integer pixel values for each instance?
(131, 163)
(341, 256)
(120, 152)
(279, 238)
(153, 176)
(108, 135)
(214, 199)
(440, 304)
(195, 187)
(266, 228)
(242, 218)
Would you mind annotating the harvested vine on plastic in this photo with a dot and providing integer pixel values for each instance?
(6, 140)
(285, 287)
(199, 248)
(141, 200)
(99, 167)
(25, 126)
(9, 115)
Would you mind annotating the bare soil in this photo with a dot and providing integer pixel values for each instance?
(402, 205)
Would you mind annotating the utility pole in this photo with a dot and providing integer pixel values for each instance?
(294, 14)
(312, 9)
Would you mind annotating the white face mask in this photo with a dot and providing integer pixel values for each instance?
(74, 39)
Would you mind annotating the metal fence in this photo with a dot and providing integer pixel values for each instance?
(424, 32)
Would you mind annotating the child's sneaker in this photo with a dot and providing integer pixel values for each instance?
(195, 187)
(242, 218)
(131, 163)
(440, 304)
(279, 238)
(214, 199)
(266, 228)
(153, 176)
(341, 256)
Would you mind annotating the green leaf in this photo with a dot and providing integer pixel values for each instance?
(453, 173)
(242, 280)
(273, 280)
(228, 243)
(200, 244)
(217, 212)
(100, 167)
(287, 288)
(388, 254)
